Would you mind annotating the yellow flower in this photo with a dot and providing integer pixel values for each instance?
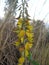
(29, 34)
(22, 39)
(20, 22)
(21, 34)
(26, 53)
(17, 43)
(20, 19)
(19, 64)
(29, 27)
(28, 45)
(30, 39)
(21, 60)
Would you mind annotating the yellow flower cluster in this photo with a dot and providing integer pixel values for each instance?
(26, 53)
(21, 60)
(28, 46)
(21, 34)
(25, 35)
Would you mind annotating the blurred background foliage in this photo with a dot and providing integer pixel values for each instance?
(9, 54)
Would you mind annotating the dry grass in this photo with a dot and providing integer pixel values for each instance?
(9, 54)
(41, 46)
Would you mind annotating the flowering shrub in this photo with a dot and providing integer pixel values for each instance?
(24, 40)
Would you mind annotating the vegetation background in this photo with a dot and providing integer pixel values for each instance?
(9, 53)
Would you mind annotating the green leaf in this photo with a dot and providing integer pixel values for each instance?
(34, 62)
(30, 56)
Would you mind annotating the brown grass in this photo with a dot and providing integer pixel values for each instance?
(9, 54)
